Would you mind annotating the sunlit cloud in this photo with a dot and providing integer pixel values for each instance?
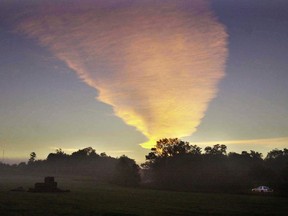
(157, 63)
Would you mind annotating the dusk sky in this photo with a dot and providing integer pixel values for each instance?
(117, 75)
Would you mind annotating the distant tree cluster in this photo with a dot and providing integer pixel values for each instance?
(84, 162)
(175, 164)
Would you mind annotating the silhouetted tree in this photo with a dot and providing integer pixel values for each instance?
(216, 150)
(32, 158)
(195, 150)
(59, 151)
(277, 154)
(103, 154)
(85, 153)
(172, 162)
(126, 172)
(255, 155)
(169, 148)
(59, 156)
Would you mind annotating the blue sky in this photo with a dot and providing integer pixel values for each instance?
(252, 100)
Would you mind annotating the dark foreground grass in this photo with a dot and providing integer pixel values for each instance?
(89, 198)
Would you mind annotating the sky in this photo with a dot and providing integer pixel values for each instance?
(119, 75)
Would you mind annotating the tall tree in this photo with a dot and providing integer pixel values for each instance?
(216, 150)
(171, 147)
(32, 158)
(126, 172)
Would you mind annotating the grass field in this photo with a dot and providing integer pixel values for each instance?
(90, 198)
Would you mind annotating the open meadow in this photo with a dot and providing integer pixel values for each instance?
(90, 198)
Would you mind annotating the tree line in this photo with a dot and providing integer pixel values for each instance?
(175, 164)
(172, 164)
(84, 162)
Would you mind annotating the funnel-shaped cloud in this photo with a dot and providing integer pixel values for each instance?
(156, 62)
